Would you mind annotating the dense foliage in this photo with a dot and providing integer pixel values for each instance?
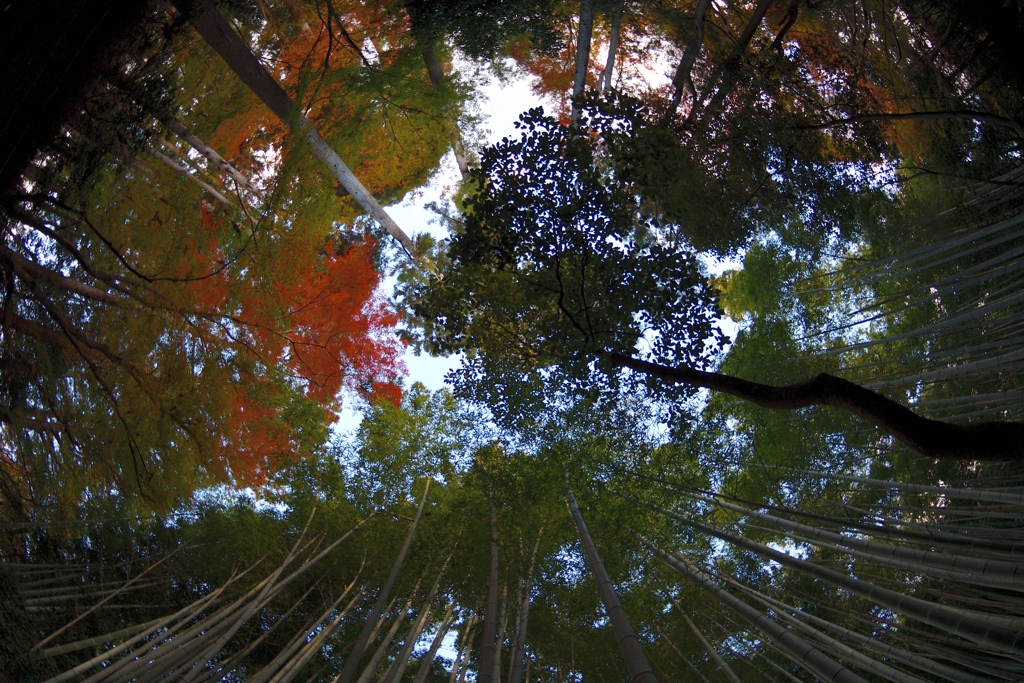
(190, 297)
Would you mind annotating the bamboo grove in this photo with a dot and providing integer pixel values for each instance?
(739, 394)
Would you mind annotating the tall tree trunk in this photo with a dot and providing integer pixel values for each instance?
(636, 662)
(360, 645)
(686, 660)
(382, 649)
(1004, 634)
(212, 26)
(931, 438)
(465, 656)
(586, 28)
(605, 82)
(486, 666)
(683, 80)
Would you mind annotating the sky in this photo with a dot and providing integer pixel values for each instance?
(501, 104)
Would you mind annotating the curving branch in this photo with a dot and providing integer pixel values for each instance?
(994, 441)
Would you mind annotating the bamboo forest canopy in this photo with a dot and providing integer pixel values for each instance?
(735, 308)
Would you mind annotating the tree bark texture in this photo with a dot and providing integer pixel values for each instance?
(636, 662)
(986, 441)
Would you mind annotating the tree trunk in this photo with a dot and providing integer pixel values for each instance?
(360, 645)
(733, 678)
(931, 438)
(213, 157)
(799, 649)
(683, 79)
(605, 82)
(435, 69)
(428, 659)
(382, 649)
(636, 662)
(465, 657)
(519, 649)
(500, 639)
(212, 26)
(1000, 633)
(685, 659)
(177, 168)
(586, 28)
(403, 657)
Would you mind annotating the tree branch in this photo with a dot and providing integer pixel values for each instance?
(996, 441)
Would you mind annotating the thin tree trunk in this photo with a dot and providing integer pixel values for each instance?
(428, 659)
(174, 166)
(683, 657)
(89, 611)
(465, 657)
(287, 664)
(486, 665)
(378, 655)
(1000, 633)
(212, 26)
(683, 80)
(733, 678)
(463, 648)
(804, 654)
(997, 573)
(986, 441)
(403, 657)
(605, 82)
(890, 651)
(360, 645)
(586, 28)
(213, 157)
(636, 662)
(519, 651)
(500, 640)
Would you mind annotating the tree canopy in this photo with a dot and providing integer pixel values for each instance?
(737, 312)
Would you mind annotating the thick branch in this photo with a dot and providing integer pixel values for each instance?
(987, 441)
